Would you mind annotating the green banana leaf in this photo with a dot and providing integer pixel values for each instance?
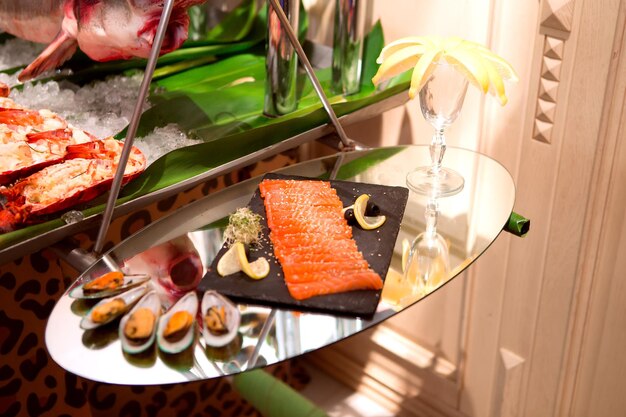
(233, 27)
(359, 165)
(208, 103)
(229, 118)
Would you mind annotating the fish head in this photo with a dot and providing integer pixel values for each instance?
(121, 29)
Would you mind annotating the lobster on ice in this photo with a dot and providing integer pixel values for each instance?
(86, 172)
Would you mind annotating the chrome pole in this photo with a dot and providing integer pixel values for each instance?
(345, 141)
(254, 356)
(348, 34)
(134, 123)
(281, 62)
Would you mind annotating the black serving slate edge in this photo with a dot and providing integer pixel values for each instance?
(376, 245)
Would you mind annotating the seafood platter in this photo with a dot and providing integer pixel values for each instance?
(292, 274)
(183, 133)
(307, 255)
(48, 165)
(145, 314)
(304, 241)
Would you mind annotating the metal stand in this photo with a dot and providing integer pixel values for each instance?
(347, 144)
(132, 127)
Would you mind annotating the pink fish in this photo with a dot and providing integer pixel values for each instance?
(103, 29)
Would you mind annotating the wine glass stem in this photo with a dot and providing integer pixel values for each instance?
(431, 214)
(437, 149)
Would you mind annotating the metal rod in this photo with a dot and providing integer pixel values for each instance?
(346, 142)
(337, 165)
(134, 123)
(70, 252)
(262, 336)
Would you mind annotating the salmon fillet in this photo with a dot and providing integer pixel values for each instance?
(312, 240)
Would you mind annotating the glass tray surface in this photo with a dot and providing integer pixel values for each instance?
(468, 221)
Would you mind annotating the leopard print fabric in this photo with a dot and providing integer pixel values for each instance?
(32, 384)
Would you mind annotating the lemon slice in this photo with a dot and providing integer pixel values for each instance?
(255, 270)
(235, 260)
(483, 69)
(366, 222)
(400, 44)
(229, 262)
(504, 68)
(423, 70)
(470, 64)
(399, 62)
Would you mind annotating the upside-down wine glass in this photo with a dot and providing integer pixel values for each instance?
(441, 100)
(428, 263)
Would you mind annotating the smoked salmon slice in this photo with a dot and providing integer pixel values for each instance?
(332, 284)
(312, 240)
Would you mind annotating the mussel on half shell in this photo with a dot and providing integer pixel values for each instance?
(220, 319)
(137, 329)
(108, 309)
(107, 285)
(176, 330)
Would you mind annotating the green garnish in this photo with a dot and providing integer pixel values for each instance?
(243, 226)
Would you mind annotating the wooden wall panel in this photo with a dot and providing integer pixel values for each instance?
(538, 314)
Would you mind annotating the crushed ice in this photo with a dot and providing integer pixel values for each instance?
(72, 216)
(18, 52)
(102, 108)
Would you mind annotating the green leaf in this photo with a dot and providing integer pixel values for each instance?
(234, 26)
(372, 46)
(215, 75)
(361, 164)
(237, 24)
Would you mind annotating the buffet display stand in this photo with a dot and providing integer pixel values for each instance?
(469, 221)
(38, 269)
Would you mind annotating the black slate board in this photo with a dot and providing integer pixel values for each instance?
(376, 246)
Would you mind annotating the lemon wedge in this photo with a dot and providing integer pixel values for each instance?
(424, 68)
(229, 262)
(482, 68)
(235, 260)
(366, 222)
(397, 63)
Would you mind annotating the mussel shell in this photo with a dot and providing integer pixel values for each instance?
(130, 281)
(130, 297)
(233, 318)
(189, 303)
(151, 301)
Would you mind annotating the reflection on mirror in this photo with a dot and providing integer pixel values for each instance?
(176, 264)
(222, 336)
(428, 262)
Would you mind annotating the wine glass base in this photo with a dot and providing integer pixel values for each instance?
(425, 181)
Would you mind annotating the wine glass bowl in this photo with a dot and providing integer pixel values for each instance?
(428, 264)
(441, 99)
